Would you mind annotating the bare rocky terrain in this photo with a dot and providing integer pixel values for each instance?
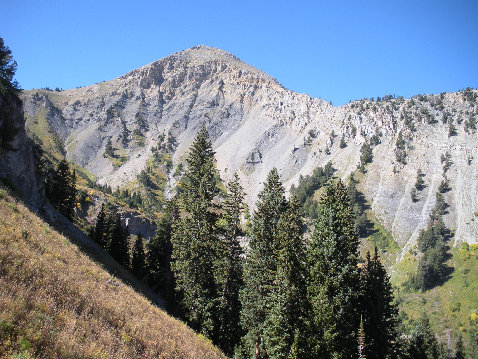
(256, 124)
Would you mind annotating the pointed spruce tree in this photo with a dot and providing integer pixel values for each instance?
(231, 277)
(60, 189)
(378, 310)
(261, 266)
(159, 250)
(334, 277)
(99, 232)
(196, 244)
(117, 239)
(285, 328)
(138, 262)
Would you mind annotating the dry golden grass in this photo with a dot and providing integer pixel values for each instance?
(57, 303)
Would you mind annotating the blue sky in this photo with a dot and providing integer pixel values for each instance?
(336, 50)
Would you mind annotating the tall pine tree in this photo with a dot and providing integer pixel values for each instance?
(159, 251)
(196, 244)
(285, 333)
(99, 232)
(138, 258)
(261, 266)
(60, 188)
(231, 277)
(378, 310)
(117, 239)
(334, 277)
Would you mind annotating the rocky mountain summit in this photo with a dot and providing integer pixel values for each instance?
(256, 124)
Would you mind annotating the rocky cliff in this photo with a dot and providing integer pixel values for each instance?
(17, 166)
(256, 124)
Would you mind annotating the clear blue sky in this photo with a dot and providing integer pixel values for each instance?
(336, 50)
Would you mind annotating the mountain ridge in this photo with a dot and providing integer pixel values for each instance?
(256, 124)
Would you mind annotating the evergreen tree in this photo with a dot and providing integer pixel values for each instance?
(60, 189)
(196, 244)
(285, 329)
(334, 277)
(99, 233)
(452, 130)
(159, 250)
(117, 239)
(419, 183)
(231, 280)
(357, 202)
(109, 150)
(444, 186)
(366, 156)
(400, 150)
(307, 187)
(261, 265)
(342, 144)
(8, 67)
(138, 258)
(8, 98)
(413, 195)
(378, 310)
(432, 267)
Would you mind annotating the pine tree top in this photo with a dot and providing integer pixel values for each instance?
(200, 181)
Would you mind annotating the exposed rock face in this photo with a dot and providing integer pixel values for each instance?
(136, 223)
(16, 155)
(257, 124)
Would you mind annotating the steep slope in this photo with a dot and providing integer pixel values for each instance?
(55, 302)
(256, 124)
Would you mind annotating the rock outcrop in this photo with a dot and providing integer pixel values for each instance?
(256, 124)
(17, 166)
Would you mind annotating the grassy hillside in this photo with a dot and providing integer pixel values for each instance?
(55, 302)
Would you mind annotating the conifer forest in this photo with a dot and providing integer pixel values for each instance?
(285, 296)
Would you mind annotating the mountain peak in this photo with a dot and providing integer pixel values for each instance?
(203, 54)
